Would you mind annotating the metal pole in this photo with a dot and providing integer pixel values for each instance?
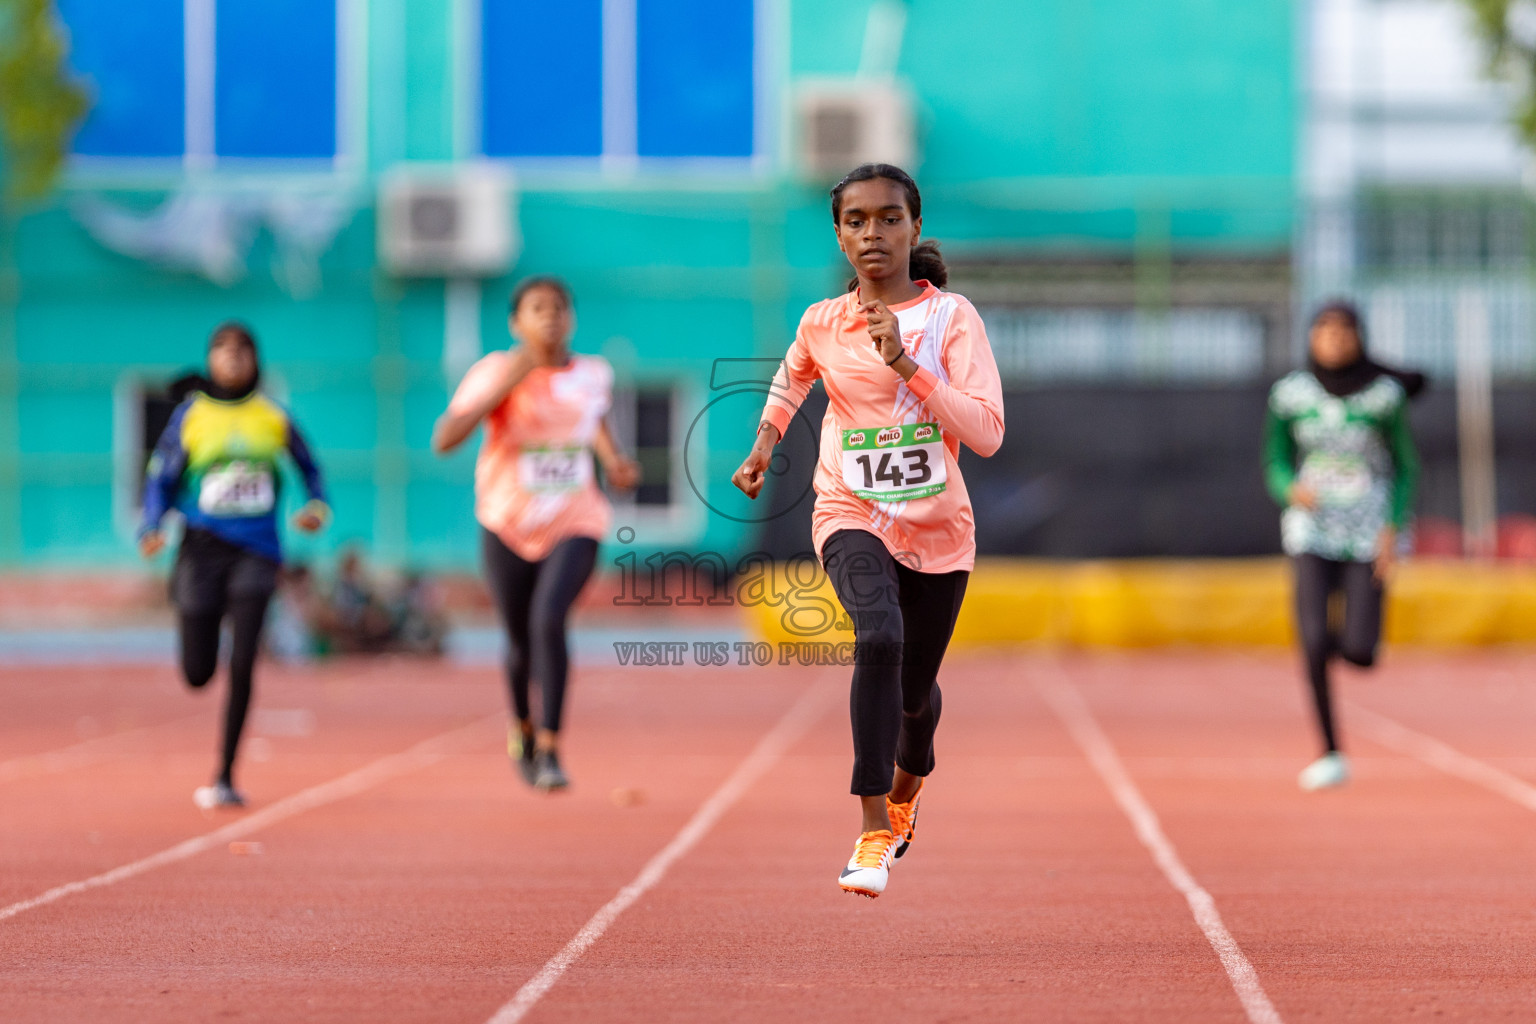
(1474, 423)
(10, 393)
(462, 344)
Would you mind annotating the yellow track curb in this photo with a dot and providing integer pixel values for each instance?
(1243, 603)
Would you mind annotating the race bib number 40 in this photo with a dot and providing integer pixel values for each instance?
(554, 469)
(894, 463)
(237, 489)
(1337, 479)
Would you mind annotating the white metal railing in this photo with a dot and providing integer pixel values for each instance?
(1037, 346)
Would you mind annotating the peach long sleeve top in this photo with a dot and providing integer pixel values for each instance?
(956, 388)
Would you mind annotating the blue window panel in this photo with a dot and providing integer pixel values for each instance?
(694, 77)
(130, 55)
(275, 80)
(541, 77)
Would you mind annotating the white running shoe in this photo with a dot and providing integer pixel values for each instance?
(220, 794)
(1327, 772)
(870, 867)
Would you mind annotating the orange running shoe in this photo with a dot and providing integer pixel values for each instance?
(904, 818)
(870, 868)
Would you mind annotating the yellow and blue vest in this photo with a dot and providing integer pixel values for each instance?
(216, 463)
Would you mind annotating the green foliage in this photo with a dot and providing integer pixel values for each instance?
(1508, 31)
(40, 102)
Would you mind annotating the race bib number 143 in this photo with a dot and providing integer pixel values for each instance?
(896, 463)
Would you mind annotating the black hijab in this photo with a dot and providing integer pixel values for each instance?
(246, 338)
(1342, 381)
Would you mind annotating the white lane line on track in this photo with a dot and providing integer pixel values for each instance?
(421, 755)
(804, 713)
(86, 752)
(1396, 736)
(1068, 704)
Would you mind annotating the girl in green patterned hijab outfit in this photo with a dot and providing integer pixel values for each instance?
(1339, 459)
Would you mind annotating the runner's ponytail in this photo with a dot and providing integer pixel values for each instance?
(928, 264)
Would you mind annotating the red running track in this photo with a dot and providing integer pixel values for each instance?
(437, 887)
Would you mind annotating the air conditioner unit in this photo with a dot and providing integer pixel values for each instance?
(454, 222)
(842, 123)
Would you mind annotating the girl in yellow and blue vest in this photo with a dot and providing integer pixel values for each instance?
(216, 464)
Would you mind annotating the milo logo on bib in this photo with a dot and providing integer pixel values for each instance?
(895, 463)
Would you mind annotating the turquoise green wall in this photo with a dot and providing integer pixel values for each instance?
(1047, 125)
(1069, 123)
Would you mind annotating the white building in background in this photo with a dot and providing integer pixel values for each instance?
(1418, 200)
(1397, 93)
(1417, 190)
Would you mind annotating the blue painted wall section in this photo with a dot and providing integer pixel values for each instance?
(695, 77)
(130, 55)
(542, 73)
(275, 87)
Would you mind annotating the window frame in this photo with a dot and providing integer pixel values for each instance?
(679, 521)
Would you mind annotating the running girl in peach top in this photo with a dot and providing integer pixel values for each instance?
(536, 498)
(909, 377)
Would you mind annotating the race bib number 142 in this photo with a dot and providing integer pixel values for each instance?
(896, 463)
(554, 469)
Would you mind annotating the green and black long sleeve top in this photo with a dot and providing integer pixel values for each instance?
(1357, 454)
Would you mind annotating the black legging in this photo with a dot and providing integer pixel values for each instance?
(1317, 580)
(534, 599)
(213, 578)
(200, 658)
(902, 621)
